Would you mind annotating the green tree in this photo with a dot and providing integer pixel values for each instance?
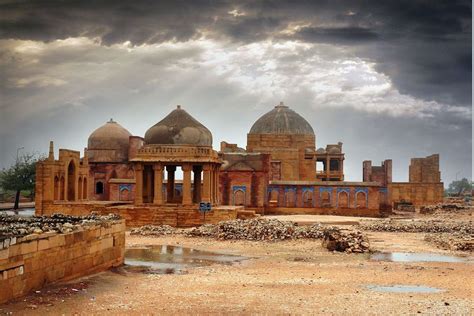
(459, 186)
(20, 176)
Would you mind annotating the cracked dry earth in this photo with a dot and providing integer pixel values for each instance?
(288, 277)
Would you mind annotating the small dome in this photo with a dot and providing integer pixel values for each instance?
(282, 120)
(179, 128)
(321, 151)
(112, 138)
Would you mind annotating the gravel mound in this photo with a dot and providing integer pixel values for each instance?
(17, 226)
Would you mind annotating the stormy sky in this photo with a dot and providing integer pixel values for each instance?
(390, 79)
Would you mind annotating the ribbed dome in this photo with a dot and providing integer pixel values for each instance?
(109, 143)
(282, 120)
(179, 128)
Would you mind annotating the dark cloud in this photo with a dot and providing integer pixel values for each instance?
(424, 46)
(338, 34)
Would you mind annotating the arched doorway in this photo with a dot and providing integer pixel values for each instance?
(343, 200)
(290, 198)
(239, 197)
(56, 188)
(325, 199)
(361, 200)
(307, 198)
(71, 181)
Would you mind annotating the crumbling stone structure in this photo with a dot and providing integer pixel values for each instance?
(424, 186)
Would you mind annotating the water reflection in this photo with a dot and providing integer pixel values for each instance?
(415, 257)
(165, 259)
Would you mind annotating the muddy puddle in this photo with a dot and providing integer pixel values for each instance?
(165, 259)
(404, 289)
(416, 257)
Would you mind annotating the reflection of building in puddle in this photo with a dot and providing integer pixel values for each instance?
(166, 259)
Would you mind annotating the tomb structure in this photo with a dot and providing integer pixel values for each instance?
(165, 176)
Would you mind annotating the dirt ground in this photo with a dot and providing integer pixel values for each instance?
(286, 277)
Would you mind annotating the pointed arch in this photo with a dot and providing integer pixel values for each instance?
(71, 181)
(56, 188)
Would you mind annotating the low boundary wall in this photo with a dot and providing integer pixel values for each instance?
(33, 261)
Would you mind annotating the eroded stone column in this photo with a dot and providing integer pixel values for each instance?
(138, 184)
(170, 183)
(158, 194)
(187, 199)
(206, 190)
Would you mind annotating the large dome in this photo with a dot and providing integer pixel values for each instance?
(179, 128)
(109, 142)
(282, 120)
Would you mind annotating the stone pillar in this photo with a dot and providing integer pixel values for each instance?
(328, 168)
(206, 192)
(197, 183)
(170, 184)
(158, 194)
(217, 191)
(138, 184)
(187, 198)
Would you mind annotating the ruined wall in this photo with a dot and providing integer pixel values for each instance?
(334, 198)
(416, 193)
(65, 179)
(381, 174)
(287, 150)
(425, 170)
(31, 262)
(149, 215)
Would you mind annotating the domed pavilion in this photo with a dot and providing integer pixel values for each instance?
(178, 140)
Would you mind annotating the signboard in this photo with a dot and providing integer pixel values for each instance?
(205, 207)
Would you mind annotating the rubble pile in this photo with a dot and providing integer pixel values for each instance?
(256, 229)
(153, 230)
(430, 226)
(336, 240)
(443, 208)
(17, 226)
(452, 241)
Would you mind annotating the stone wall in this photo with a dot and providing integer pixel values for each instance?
(425, 170)
(417, 194)
(136, 216)
(287, 150)
(29, 263)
